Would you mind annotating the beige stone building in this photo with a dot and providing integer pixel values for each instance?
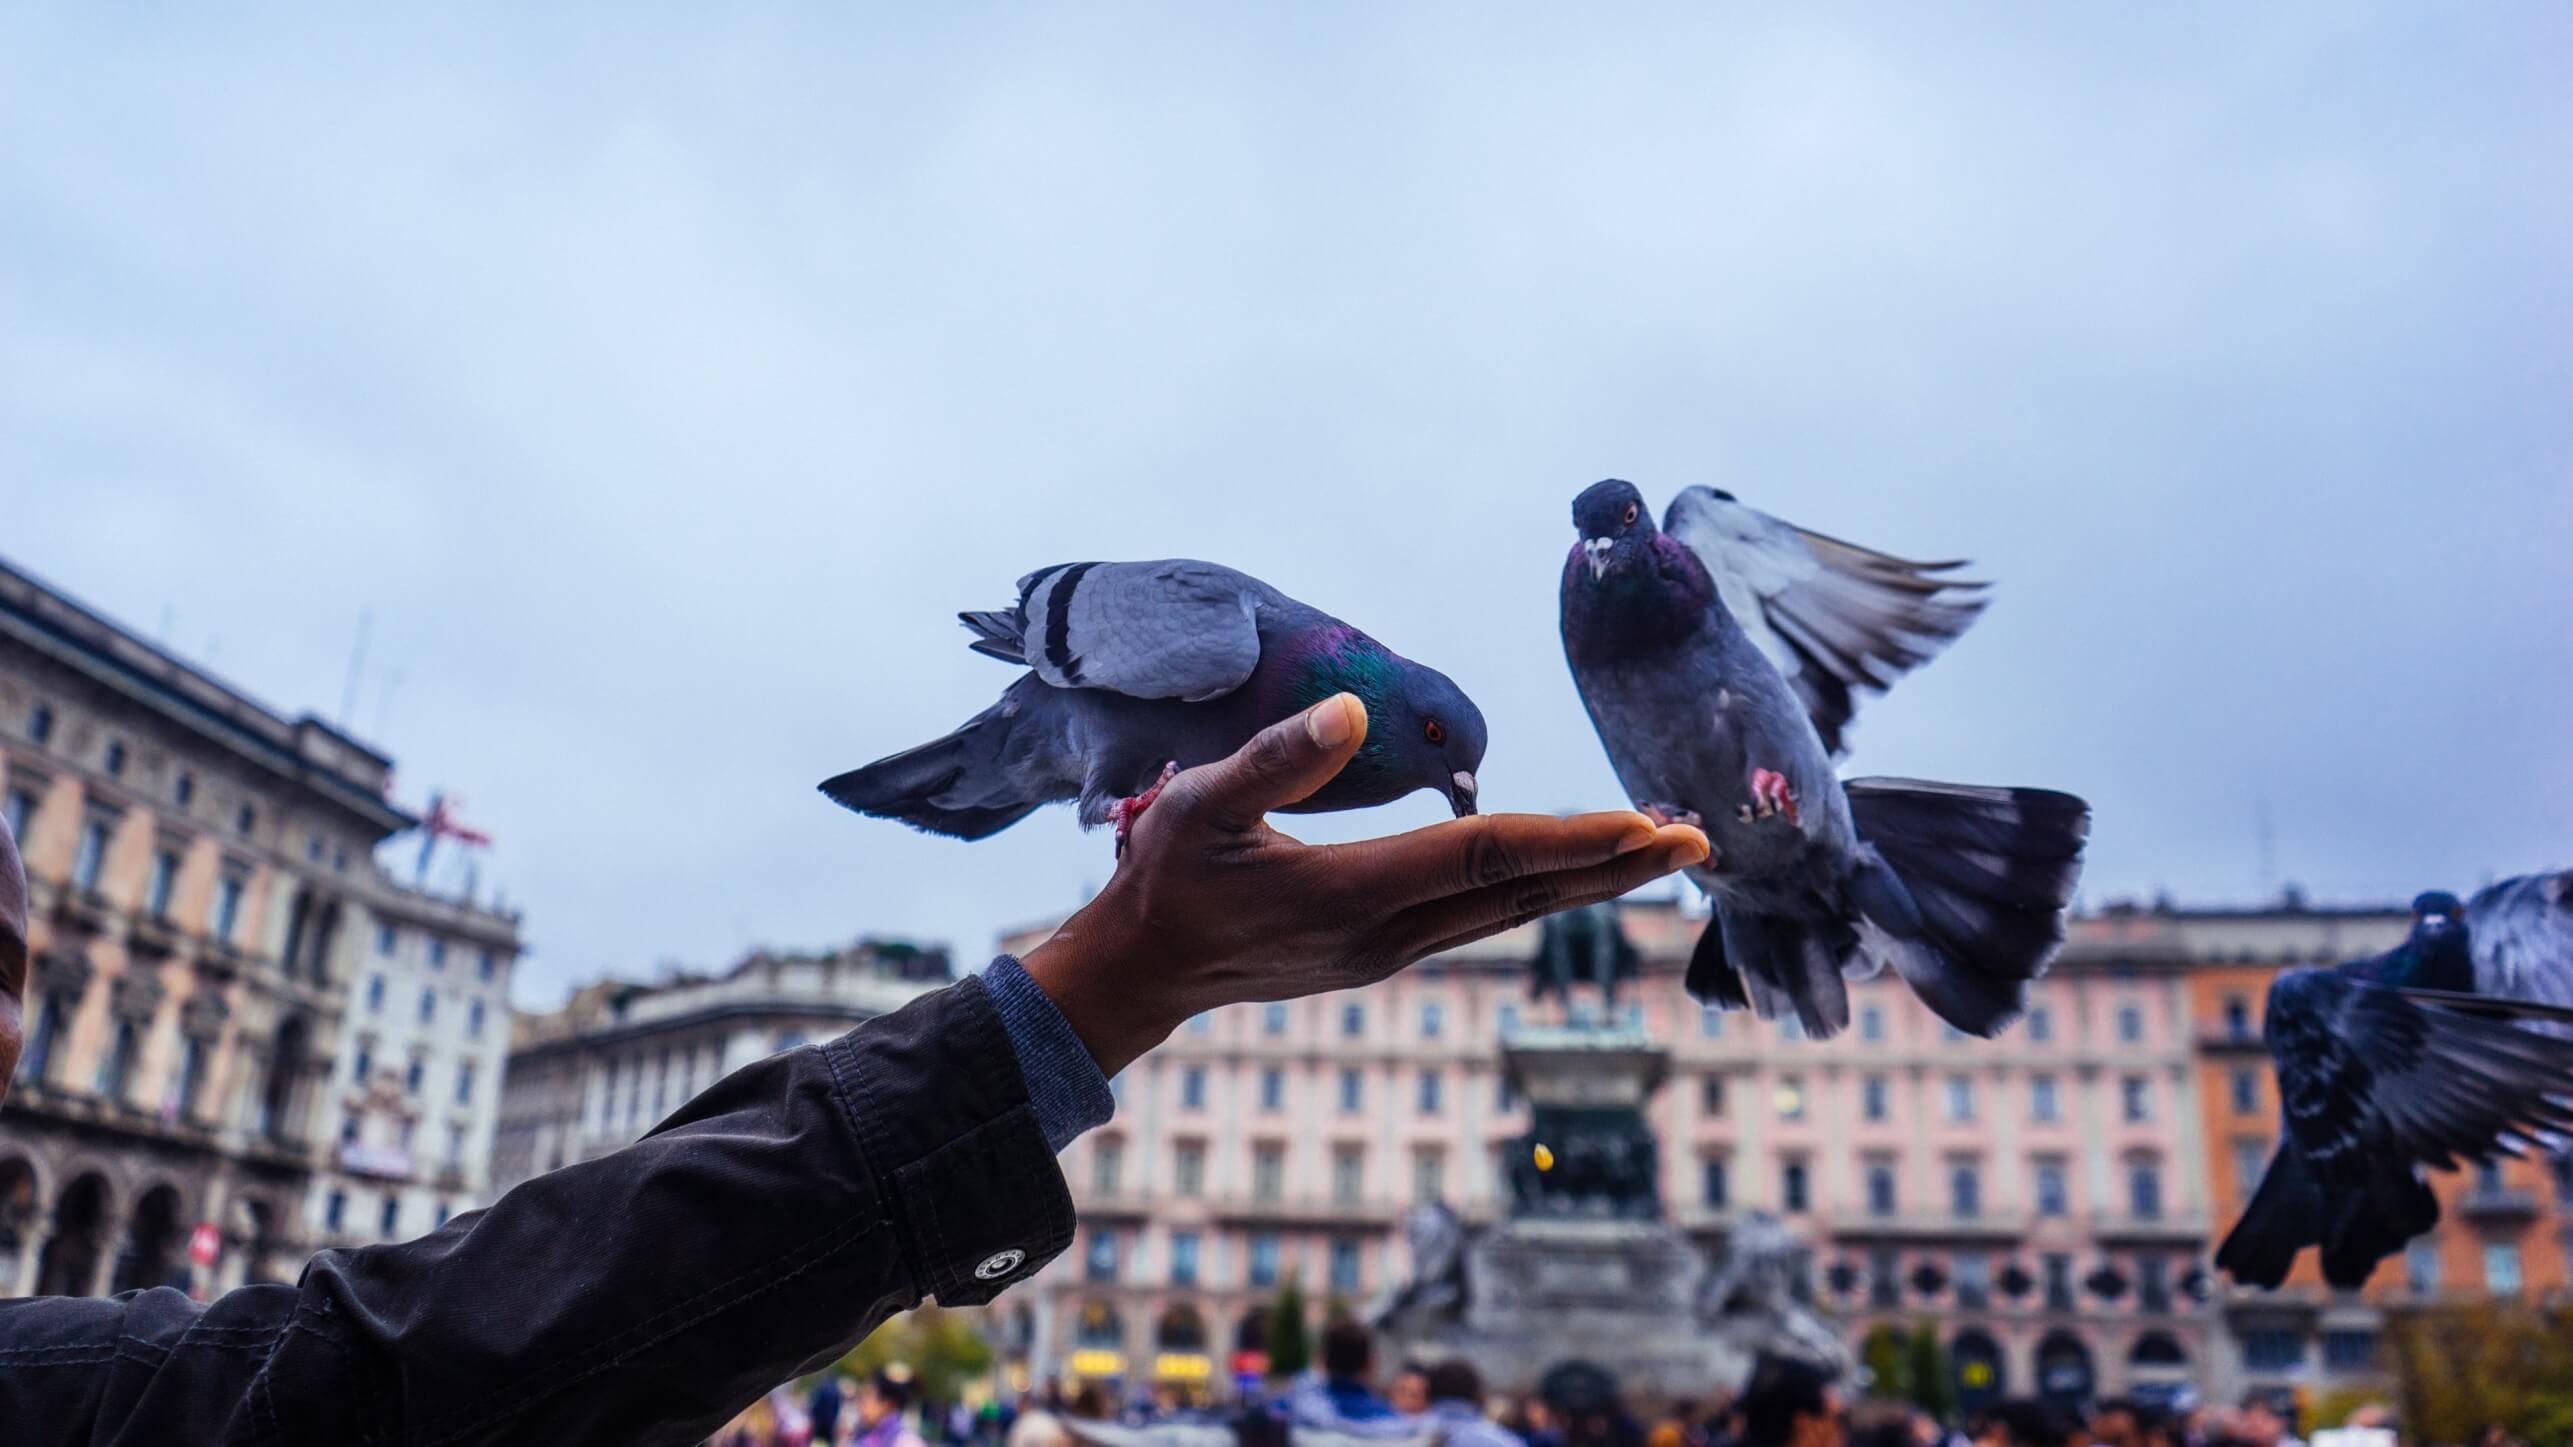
(202, 890)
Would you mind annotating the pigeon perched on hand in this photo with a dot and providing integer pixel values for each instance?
(2375, 1083)
(1139, 670)
(1717, 655)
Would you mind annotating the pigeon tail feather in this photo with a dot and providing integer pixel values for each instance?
(2285, 1216)
(1968, 900)
(953, 785)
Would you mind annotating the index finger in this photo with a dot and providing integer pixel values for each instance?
(1481, 850)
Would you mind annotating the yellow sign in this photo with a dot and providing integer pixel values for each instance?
(1182, 1367)
(1545, 1158)
(1098, 1364)
(1978, 1375)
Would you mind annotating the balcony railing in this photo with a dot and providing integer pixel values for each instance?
(1922, 1226)
(1316, 1211)
(2162, 1227)
(2499, 1203)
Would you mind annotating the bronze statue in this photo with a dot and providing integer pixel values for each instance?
(1582, 946)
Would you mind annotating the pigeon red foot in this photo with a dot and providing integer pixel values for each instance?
(1131, 809)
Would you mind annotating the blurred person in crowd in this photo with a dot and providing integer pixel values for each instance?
(1455, 1407)
(824, 1407)
(2265, 1421)
(1678, 1427)
(1409, 1394)
(1791, 1404)
(1535, 1423)
(2025, 1422)
(1340, 1398)
(2116, 1422)
(883, 1407)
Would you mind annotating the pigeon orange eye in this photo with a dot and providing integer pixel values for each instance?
(1433, 732)
(1631, 511)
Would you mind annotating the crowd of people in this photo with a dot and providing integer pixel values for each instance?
(1785, 1404)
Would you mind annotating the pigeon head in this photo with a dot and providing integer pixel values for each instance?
(1617, 530)
(1422, 731)
(2436, 912)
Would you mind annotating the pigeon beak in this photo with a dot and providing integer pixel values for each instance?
(1460, 793)
(1598, 548)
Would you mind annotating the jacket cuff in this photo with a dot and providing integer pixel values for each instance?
(975, 1209)
(1063, 1081)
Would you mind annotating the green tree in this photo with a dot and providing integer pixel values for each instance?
(2460, 1367)
(1290, 1346)
(940, 1348)
(1889, 1369)
(1933, 1386)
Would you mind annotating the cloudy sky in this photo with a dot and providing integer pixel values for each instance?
(663, 385)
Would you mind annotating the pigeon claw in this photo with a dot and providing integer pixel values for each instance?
(1132, 809)
(1665, 815)
(1770, 797)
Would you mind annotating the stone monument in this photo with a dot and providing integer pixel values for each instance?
(1583, 1275)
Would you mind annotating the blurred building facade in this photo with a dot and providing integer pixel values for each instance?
(620, 1056)
(202, 886)
(2050, 1198)
(2504, 1230)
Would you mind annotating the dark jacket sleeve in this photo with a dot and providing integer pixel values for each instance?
(644, 1296)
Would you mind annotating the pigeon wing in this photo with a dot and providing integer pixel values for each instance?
(1831, 615)
(2364, 1072)
(1167, 629)
(2521, 933)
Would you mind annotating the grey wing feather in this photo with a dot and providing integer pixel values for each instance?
(1831, 615)
(2521, 933)
(1167, 629)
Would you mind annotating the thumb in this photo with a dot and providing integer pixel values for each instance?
(1284, 762)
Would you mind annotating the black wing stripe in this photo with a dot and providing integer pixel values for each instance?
(1058, 620)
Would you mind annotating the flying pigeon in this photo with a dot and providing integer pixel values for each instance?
(1139, 670)
(2376, 1081)
(1717, 655)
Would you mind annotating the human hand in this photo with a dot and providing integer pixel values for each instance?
(1212, 906)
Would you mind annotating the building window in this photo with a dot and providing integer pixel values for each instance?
(385, 939)
(455, 1145)
(1871, 1022)
(1509, 1020)
(191, 1076)
(2041, 1024)
(2044, 1106)
(2273, 1349)
(2153, 1283)
(1429, 1092)
(362, 1065)
(392, 1218)
(184, 792)
(1183, 1258)
(2144, 1191)
(2246, 1093)
(1711, 1095)
(1192, 1088)
(21, 807)
(437, 954)
(2052, 1197)
(1352, 1090)
(1344, 1264)
(1353, 1021)
(165, 883)
(40, 723)
(2138, 1095)
(441, 1217)
(1429, 1176)
(2130, 1024)
(1348, 1174)
(1272, 1089)
(1107, 1162)
(335, 1210)
(227, 905)
(2237, 1018)
(91, 857)
(428, 1006)
(1965, 1191)
(1960, 1098)
(1264, 1260)
(1974, 1280)
(2501, 1268)
(2251, 1160)
(1188, 1168)
(245, 819)
(115, 758)
(2421, 1265)
(473, 1019)
(1871, 1093)
(1268, 1174)
(1433, 1020)
(312, 849)
(118, 1068)
(1793, 1196)
(1884, 1279)
(375, 992)
(486, 966)
(1714, 1187)
(1791, 1099)
(412, 1078)
(1710, 1023)
(1099, 1262)
(2349, 1349)
(2059, 1281)
(1880, 1189)
(465, 1083)
(1273, 1018)
(51, 1020)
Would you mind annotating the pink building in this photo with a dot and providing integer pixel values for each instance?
(2044, 1194)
